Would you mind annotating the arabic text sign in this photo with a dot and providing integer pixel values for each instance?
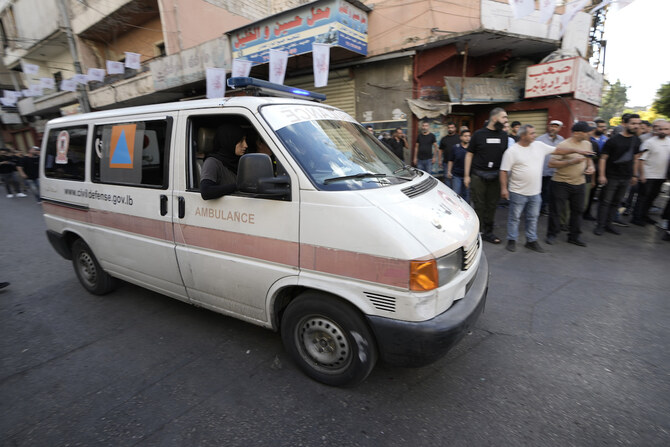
(482, 89)
(336, 23)
(552, 78)
(589, 86)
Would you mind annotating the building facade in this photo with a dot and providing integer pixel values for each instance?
(392, 63)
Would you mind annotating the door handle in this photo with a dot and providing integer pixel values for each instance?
(182, 207)
(164, 203)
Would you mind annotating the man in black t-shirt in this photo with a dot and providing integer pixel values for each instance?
(514, 129)
(30, 172)
(398, 143)
(615, 172)
(482, 165)
(446, 144)
(8, 173)
(425, 149)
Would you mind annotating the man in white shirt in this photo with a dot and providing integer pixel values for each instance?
(651, 169)
(521, 183)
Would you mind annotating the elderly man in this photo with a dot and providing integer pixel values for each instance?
(552, 138)
(482, 163)
(521, 183)
(568, 183)
(651, 168)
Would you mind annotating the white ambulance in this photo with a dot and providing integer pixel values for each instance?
(332, 240)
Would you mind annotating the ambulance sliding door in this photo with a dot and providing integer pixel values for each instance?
(233, 249)
(130, 201)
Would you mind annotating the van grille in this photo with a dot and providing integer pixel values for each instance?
(424, 186)
(381, 302)
(470, 253)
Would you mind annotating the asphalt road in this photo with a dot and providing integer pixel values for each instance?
(573, 349)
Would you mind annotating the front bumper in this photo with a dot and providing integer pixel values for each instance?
(416, 344)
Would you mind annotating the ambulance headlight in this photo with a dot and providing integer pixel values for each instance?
(448, 266)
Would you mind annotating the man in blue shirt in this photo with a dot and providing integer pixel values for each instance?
(552, 138)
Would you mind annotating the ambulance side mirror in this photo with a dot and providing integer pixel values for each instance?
(256, 178)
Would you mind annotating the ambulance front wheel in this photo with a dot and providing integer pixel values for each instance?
(88, 270)
(328, 339)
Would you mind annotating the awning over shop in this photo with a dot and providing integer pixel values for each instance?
(424, 108)
(340, 23)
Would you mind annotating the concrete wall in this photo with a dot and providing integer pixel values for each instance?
(396, 25)
(383, 87)
(83, 15)
(36, 19)
(188, 23)
(138, 40)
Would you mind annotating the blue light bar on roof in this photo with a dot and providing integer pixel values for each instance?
(246, 82)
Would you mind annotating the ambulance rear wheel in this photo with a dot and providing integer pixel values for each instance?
(328, 340)
(88, 270)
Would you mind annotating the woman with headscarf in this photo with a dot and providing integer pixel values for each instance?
(219, 171)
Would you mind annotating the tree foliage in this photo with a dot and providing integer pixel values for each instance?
(662, 101)
(614, 100)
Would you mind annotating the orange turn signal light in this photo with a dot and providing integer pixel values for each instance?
(423, 275)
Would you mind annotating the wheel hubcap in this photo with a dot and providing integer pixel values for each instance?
(87, 268)
(323, 344)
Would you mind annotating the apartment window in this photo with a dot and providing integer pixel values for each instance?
(160, 49)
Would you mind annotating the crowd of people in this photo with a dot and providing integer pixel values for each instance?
(20, 172)
(622, 170)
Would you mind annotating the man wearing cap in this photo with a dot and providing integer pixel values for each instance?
(521, 182)
(552, 138)
(568, 183)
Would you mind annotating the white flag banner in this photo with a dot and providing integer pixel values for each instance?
(241, 68)
(521, 8)
(132, 60)
(7, 102)
(80, 78)
(216, 82)
(114, 67)
(96, 74)
(278, 61)
(321, 63)
(11, 95)
(602, 5)
(68, 85)
(35, 89)
(30, 69)
(547, 8)
(571, 10)
(47, 83)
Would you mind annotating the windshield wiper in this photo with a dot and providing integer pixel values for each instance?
(360, 175)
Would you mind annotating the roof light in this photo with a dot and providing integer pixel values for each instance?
(272, 89)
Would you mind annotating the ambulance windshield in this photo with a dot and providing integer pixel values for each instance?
(334, 150)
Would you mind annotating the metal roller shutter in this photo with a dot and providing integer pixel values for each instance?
(537, 118)
(340, 91)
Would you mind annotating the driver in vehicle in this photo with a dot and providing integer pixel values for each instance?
(219, 171)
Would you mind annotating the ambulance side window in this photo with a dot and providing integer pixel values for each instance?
(132, 153)
(201, 141)
(66, 153)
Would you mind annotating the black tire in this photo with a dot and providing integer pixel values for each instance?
(328, 339)
(88, 270)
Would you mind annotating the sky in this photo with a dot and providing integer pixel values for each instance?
(637, 48)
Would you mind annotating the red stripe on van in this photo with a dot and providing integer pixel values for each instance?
(139, 225)
(393, 272)
(267, 249)
(388, 271)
